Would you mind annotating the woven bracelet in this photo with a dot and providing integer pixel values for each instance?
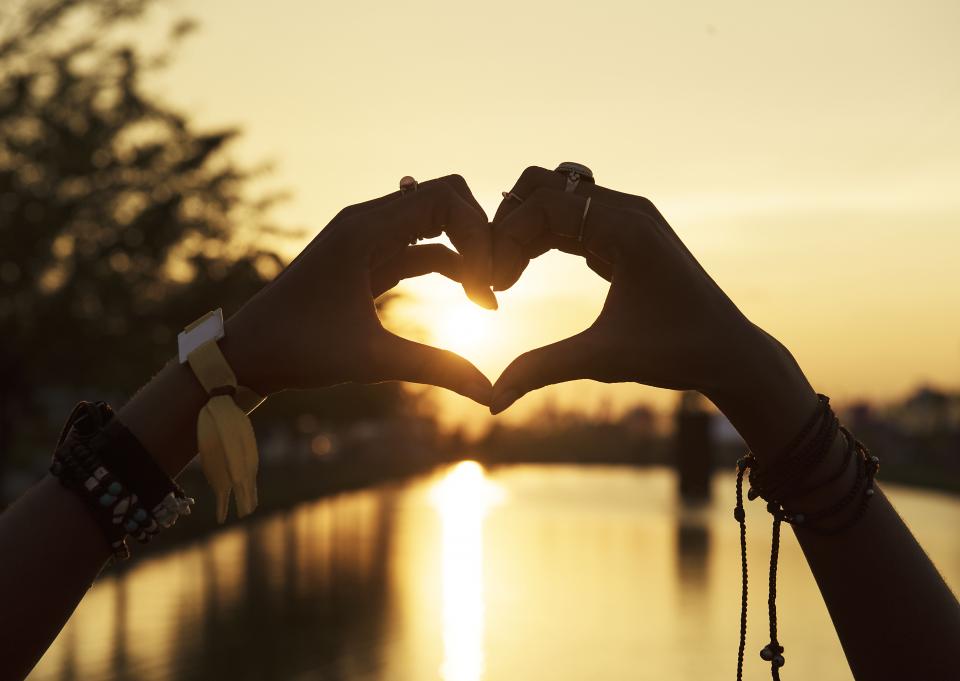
(778, 485)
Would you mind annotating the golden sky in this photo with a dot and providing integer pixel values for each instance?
(807, 153)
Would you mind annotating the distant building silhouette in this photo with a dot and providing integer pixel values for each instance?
(694, 447)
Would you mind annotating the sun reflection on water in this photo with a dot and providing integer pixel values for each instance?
(587, 572)
(463, 498)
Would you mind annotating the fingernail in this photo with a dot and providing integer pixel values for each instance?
(483, 297)
(504, 400)
(479, 391)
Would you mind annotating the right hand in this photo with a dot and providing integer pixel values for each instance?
(665, 322)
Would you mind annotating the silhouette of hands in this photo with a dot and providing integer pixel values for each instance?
(316, 324)
(664, 323)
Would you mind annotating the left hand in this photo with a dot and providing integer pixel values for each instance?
(316, 324)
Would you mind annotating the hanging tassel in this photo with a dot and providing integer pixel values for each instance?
(239, 445)
(225, 437)
(213, 461)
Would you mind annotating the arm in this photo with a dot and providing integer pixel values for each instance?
(315, 325)
(666, 323)
(893, 613)
(52, 548)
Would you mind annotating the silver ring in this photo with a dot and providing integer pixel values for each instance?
(575, 172)
(583, 220)
(511, 195)
(407, 184)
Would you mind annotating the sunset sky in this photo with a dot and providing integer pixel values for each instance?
(807, 153)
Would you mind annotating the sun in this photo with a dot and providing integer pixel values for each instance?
(463, 328)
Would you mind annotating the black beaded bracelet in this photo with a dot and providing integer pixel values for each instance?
(783, 483)
(122, 486)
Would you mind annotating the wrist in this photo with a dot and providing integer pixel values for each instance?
(242, 349)
(769, 400)
(178, 396)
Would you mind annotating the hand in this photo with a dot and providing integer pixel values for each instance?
(316, 324)
(665, 322)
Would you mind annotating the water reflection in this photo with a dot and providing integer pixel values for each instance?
(463, 498)
(693, 546)
(559, 572)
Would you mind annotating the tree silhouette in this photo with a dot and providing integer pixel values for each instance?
(119, 221)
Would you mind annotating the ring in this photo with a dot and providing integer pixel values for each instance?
(407, 183)
(583, 220)
(575, 172)
(511, 195)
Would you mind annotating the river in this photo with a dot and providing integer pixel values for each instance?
(522, 572)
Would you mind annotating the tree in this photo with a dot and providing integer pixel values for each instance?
(119, 221)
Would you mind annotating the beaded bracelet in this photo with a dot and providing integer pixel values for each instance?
(115, 508)
(125, 490)
(782, 483)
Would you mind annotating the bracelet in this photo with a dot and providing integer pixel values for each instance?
(837, 472)
(123, 487)
(867, 468)
(798, 457)
(782, 483)
(225, 437)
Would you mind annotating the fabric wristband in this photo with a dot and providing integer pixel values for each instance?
(225, 437)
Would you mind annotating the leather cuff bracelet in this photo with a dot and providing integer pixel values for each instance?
(123, 487)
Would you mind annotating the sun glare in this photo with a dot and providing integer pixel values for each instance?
(463, 328)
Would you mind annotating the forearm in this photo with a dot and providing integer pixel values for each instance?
(53, 549)
(893, 613)
(163, 417)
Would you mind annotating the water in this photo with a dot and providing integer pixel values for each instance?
(527, 572)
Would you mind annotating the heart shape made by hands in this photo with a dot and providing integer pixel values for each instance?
(556, 297)
(664, 322)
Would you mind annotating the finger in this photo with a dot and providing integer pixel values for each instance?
(509, 262)
(436, 207)
(509, 257)
(460, 186)
(399, 359)
(530, 180)
(415, 261)
(566, 221)
(604, 269)
(476, 247)
(567, 360)
(526, 231)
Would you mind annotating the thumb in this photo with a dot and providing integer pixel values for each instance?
(400, 359)
(565, 360)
